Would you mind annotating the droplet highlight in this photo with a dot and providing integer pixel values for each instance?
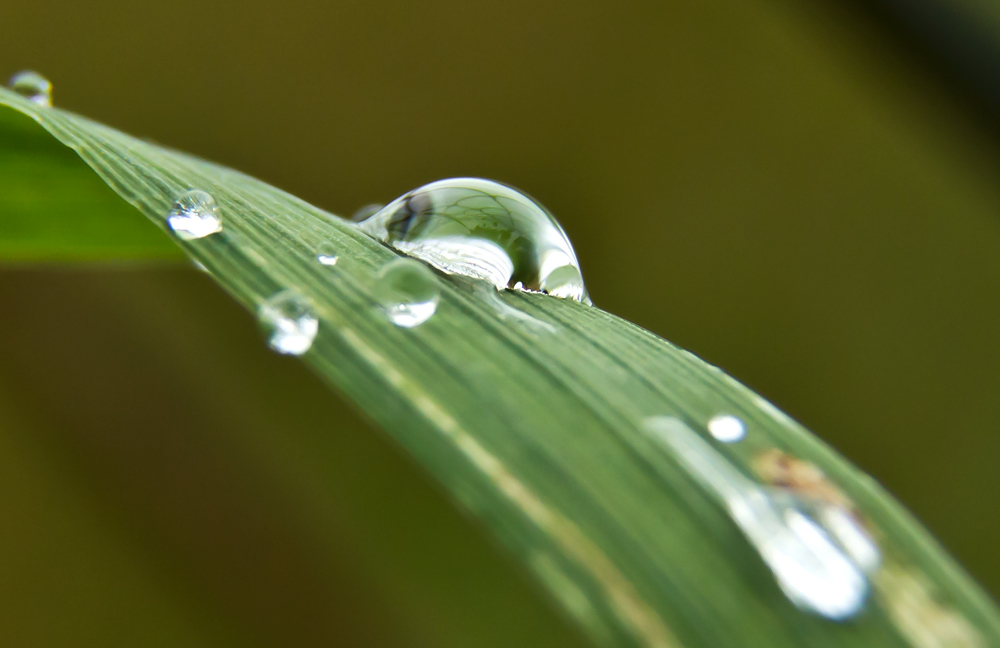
(195, 215)
(326, 254)
(32, 86)
(484, 230)
(810, 567)
(408, 292)
(290, 322)
(727, 428)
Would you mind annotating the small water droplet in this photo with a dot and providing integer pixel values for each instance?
(727, 428)
(408, 292)
(326, 254)
(485, 230)
(810, 568)
(195, 215)
(366, 212)
(290, 322)
(32, 86)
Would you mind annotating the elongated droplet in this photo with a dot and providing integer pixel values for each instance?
(408, 292)
(290, 322)
(812, 570)
(366, 212)
(727, 428)
(195, 215)
(485, 230)
(33, 86)
(326, 254)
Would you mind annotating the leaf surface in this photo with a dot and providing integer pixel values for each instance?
(534, 412)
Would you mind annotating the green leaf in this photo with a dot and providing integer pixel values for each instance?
(55, 209)
(578, 438)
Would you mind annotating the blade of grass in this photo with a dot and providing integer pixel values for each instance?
(536, 424)
(54, 209)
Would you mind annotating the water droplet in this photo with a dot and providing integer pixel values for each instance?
(195, 215)
(485, 230)
(408, 292)
(727, 428)
(366, 212)
(810, 568)
(290, 321)
(326, 254)
(32, 86)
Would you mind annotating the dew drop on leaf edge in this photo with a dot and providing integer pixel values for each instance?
(32, 86)
(485, 230)
(408, 292)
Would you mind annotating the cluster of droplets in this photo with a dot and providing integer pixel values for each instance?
(464, 226)
(32, 86)
(819, 553)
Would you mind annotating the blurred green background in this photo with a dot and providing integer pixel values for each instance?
(791, 189)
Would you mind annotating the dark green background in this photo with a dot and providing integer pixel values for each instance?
(786, 187)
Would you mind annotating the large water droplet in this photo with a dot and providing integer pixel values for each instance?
(408, 292)
(32, 86)
(195, 215)
(482, 229)
(810, 567)
(290, 322)
(366, 212)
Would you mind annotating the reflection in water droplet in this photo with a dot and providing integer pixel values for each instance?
(813, 572)
(852, 537)
(326, 254)
(32, 86)
(366, 212)
(485, 230)
(408, 292)
(290, 321)
(727, 428)
(195, 215)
